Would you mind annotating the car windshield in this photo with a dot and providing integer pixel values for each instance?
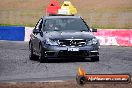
(65, 24)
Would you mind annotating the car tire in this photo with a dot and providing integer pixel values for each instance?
(42, 57)
(95, 58)
(31, 55)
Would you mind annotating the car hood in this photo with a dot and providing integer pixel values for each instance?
(68, 35)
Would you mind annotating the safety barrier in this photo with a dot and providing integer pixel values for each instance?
(119, 37)
(12, 33)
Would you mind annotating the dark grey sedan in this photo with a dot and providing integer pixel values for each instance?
(63, 36)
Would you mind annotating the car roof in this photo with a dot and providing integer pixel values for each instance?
(52, 17)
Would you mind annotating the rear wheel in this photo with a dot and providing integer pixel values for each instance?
(42, 57)
(31, 55)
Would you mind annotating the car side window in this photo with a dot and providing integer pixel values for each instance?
(38, 25)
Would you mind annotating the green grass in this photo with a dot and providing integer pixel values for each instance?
(104, 13)
(28, 25)
(109, 26)
(93, 26)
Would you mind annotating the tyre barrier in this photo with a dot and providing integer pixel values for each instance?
(118, 37)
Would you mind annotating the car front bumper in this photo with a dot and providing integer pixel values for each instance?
(58, 51)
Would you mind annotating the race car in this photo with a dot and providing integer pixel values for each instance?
(63, 36)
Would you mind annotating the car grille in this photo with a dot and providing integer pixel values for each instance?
(72, 42)
(74, 54)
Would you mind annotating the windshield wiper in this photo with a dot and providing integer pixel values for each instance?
(56, 30)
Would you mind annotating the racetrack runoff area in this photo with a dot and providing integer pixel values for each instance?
(66, 84)
(15, 66)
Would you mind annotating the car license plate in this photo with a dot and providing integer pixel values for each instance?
(73, 49)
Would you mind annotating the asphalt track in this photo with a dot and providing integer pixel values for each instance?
(16, 66)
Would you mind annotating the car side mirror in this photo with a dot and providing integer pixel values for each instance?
(35, 31)
(94, 30)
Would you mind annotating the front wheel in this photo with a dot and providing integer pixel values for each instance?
(31, 55)
(42, 57)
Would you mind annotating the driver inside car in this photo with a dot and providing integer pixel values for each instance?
(52, 26)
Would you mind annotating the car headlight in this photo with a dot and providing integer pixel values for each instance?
(51, 42)
(92, 41)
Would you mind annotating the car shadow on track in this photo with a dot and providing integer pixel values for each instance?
(67, 60)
